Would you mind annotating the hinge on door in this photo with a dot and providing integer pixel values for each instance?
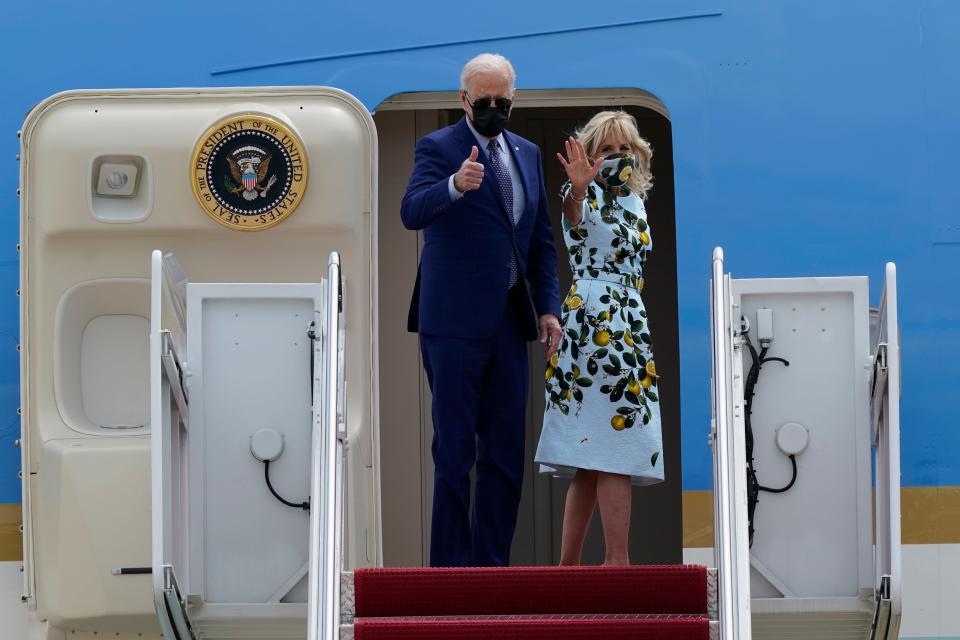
(312, 337)
(743, 328)
(176, 606)
(878, 370)
(339, 292)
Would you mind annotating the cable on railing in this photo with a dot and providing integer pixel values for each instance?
(305, 505)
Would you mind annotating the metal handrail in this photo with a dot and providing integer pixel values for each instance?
(729, 469)
(325, 540)
(885, 425)
(169, 423)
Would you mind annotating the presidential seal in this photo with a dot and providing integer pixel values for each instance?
(249, 172)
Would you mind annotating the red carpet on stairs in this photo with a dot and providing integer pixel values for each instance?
(660, 589)
(542, 628)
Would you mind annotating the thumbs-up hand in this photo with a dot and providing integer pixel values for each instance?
(470, 175)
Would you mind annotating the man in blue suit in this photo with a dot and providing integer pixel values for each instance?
(477, 193)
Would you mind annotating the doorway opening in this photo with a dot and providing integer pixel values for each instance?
(546, 118)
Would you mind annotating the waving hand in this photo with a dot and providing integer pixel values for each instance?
(578, 167)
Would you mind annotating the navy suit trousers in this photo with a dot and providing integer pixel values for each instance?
(479, 391)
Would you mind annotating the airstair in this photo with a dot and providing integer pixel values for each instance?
(224, 569)
(227, 562)
(817, 373)
(221, 570)
(670, 602)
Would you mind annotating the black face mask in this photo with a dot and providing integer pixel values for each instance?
(490, 122)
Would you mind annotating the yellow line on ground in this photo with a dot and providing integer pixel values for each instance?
(11, 546)
(929, 515)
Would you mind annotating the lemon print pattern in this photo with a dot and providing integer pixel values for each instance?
(602, 398)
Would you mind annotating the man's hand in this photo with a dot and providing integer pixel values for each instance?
(470, 175)
(549, 334)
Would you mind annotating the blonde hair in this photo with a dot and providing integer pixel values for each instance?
(592, 134)
(486, 62)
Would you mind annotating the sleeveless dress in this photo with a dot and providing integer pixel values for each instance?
(602, 401)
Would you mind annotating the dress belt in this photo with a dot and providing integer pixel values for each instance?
(623, 279)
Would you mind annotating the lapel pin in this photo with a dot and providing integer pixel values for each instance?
(516, 148)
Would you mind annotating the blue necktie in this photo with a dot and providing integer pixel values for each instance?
(506, 188)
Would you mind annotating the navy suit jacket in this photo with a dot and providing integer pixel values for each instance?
(462, 283)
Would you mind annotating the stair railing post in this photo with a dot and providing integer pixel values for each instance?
(325, 543)
(885, 426)
(731, 550)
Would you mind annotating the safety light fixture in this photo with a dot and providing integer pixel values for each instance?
(118, 179)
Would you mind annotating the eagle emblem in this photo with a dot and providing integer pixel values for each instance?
(249, 167)
(249, 171)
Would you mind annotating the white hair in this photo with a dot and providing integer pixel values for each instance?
(486, 62)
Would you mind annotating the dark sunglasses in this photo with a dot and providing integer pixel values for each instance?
(482, 104)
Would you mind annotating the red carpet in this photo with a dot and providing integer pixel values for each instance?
(667, 589)
(541, 628)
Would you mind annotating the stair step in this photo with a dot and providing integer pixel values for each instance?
(471, 591)
(572, 627)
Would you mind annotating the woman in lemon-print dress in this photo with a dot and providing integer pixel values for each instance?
(602, 415)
